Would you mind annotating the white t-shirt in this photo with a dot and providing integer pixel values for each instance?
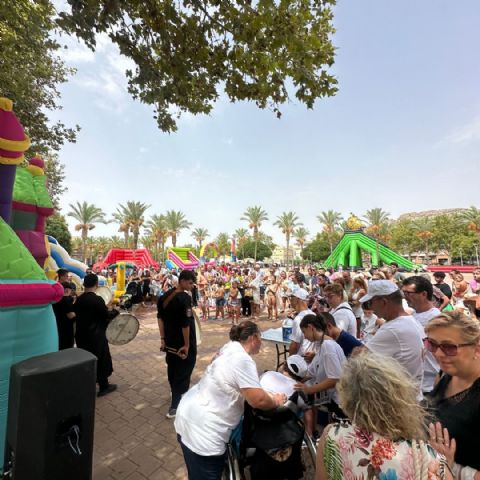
(401, 339)
(297, 335)
(430, 365)
(345, 318)
(210, 410)
(327, 363)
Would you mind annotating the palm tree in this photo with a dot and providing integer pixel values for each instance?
(241, 236)
(301, 234)
(223, 244)
(134, 217)
(330, 221)
(255, 216)
(200, 234)
(423, 227)
(287, 222)
(176, 222)
(377, 225)
(115, 242)
(158, 230)
(120, 217)
(471, 218)
(87, 215)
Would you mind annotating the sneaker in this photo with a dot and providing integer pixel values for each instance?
(111, 388)
(171, 413)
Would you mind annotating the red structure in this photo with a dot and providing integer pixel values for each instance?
(140, 258)
(449, 268)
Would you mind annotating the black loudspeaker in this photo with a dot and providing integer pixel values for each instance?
(51, 413)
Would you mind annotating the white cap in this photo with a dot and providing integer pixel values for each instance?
(297, 365)
(300, 293)
(377, 288)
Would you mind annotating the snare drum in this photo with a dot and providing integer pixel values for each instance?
(122, 329)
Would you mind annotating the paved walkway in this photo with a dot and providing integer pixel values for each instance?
(133, 438)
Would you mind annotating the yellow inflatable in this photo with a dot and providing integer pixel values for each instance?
(120, 285)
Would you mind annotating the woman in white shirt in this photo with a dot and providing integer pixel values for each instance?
(210, 410)
(325, 369)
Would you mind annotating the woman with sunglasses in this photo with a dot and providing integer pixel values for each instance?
(454, 340)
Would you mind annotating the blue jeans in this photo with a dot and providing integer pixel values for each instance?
(200, 467)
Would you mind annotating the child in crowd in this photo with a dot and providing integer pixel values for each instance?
(220, 300)
(370, 324)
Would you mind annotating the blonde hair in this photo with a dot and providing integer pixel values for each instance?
(468, 327)
(361, 282)
(379, 396)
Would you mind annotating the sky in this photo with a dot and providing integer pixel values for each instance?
(402, 133)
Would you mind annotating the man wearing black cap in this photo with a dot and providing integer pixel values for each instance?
(92, 320)
(65, 315)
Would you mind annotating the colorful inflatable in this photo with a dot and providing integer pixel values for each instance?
(205, 248)
(183, 258)
(26, 316)
(348, 252)
(140, 258)
(59, 258)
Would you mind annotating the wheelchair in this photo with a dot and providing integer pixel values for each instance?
(245, 460)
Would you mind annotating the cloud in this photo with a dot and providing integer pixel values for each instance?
(467, 133)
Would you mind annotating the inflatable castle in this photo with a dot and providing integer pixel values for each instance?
(26, 293)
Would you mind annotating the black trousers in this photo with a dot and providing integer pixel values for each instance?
(179, 372)
(246, 306)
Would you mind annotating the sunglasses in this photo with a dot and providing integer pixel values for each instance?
(449, 349)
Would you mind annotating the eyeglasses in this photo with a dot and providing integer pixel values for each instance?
(409, 292)
(449, 349)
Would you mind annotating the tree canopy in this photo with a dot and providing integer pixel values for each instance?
(31, 71)
(57, 227)
(185, 51)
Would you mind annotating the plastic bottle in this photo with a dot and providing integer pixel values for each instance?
(287, 329)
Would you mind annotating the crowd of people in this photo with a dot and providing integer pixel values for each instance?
(385, 355)
(387, 364)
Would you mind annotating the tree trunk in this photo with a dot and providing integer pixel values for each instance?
(135, 233)
(255, 235)
(288, 253)
(84, 244)
(174, 240)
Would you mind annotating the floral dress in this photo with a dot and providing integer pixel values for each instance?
(354, 454)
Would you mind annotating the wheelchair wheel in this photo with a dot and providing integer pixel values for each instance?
(232, 469)
(309, 456)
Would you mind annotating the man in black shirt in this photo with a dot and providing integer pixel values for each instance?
(65, 314)
(92, 319)
(177, 332)
(439, 278)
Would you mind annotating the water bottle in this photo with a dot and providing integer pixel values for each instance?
(287, 329)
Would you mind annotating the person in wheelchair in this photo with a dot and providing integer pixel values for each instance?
(277, 436)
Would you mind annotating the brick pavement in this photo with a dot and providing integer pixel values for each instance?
(133, 438)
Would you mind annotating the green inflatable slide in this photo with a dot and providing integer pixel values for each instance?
(348, 252)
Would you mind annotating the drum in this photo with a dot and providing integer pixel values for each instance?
(105, 293)
(122, 329)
